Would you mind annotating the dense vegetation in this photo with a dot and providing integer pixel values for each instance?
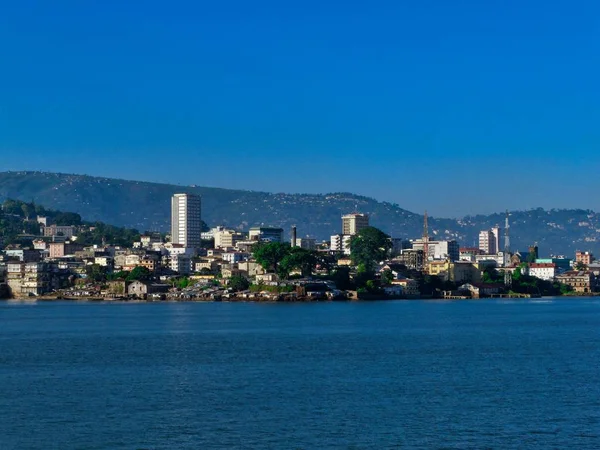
(18, 223)
(146, 206)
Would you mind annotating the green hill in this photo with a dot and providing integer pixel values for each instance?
(146, 206)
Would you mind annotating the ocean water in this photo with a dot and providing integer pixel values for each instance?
(402, 374)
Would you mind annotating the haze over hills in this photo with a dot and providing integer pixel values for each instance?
(146, 206)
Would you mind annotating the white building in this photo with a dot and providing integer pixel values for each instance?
(543, 271)
(186, 222)
(340, 243)
(235, 257)
(438, 249)
(487, 242)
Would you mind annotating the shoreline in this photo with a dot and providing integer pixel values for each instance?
(271, 300)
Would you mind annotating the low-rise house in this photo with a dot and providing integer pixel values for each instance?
(235, 257)
(479, 290)
(141, 289)
(251, 268)
(267, 278)
(410, 287)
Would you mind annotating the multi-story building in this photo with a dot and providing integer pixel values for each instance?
(61, 249)
(353, 223)
(439, 249)
(186, 220)
(584, 257)
(268, 234)
(487, 242)
(543, 271)
(227, 238)
(581, 281)
(235, 257)
(55, 230)
(306, 243)
(340, 243)
(411, 258)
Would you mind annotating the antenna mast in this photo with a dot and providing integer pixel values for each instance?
(507, 274)
(425, 239)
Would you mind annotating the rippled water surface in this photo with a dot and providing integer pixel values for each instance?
(412, 374)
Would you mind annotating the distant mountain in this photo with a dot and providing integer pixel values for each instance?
(146, 206)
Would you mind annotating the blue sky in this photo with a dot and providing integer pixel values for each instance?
(455, 107)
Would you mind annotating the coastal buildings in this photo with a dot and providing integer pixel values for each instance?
(543, 271)
(186, 222)
(580, 281)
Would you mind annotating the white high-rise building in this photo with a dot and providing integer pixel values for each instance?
(186, 221)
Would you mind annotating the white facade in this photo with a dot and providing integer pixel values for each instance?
(543, 271)
(340, 243)
(186, 221)
(235, 257)
(487, 242)
(438, 249)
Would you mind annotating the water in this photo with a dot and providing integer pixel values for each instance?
(417, 374)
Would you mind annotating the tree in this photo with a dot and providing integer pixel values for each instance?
(28, 210)
(386, 277)
(369, 247)
(269, 255)
(298, 258)
(341, 278)
(139, 273)
(96, 273)
(580, 266)
(238, 283)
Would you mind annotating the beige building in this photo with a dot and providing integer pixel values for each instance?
(581, 281)
(228, 238)
(353, 223)
(55, 230)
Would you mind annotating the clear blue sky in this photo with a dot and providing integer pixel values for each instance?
(452, 106)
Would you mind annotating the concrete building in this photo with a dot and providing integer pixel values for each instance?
(353, 223)
(487, 242)
(306, 243)
(235, 257)
(411, 258)
(439, 249)
(186, 220)
(267, 234)
(227, 238)
(498, 238)
(61, 249)
(584, 257)
(340, 243)
(54, 230)
(543, 271)
(581, 281)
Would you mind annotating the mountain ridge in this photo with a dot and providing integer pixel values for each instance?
(145, 205)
